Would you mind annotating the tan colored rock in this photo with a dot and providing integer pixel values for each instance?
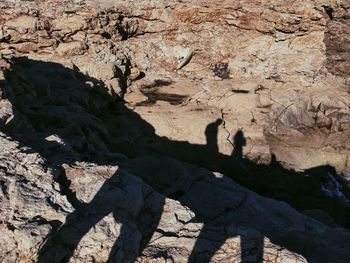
(195, 74)
(70, 23)
(114, 87)
(21, 22)
(26, 47)
(71, 48)
(101, 71)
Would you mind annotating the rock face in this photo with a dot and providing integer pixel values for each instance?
(114, 214)
(280, 72)
(113, 115)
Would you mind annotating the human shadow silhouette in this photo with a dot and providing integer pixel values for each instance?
(53, 101)
(211, 133)
(245, 241)
(239, 142)
(67, 117)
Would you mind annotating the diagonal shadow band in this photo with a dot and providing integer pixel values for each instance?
(67, 117)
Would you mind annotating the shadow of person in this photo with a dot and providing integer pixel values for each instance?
(69, 117)
(248, 252)
(239, 142)
(211, 132)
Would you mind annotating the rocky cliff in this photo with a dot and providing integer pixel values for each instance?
(174, 131)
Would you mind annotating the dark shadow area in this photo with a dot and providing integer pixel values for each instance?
(60, 115)
(211, 134)
(239, 142)
(247, 249)
(57, 114)
(154, 94)
(221, 70)
(336, 43)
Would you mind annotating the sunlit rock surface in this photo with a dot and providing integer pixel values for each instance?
(174, 131)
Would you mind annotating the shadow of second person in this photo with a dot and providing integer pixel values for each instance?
(69, 117)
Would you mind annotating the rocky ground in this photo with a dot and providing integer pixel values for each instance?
(174, 131)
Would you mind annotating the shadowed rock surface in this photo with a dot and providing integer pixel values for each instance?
(174, 131)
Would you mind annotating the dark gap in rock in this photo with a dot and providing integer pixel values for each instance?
(140, 76)
(106, 35)
(157, 83)
(329, 11)
(221, 70)
(153, 97)
(240, 91)
(153, 94)
(10, 226)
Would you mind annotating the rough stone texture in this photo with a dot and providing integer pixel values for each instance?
(277, 71)
(31, 203)
(101, 83)
(118, 207)
(32, 207)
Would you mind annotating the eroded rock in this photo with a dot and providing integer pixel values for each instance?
(250, 90)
